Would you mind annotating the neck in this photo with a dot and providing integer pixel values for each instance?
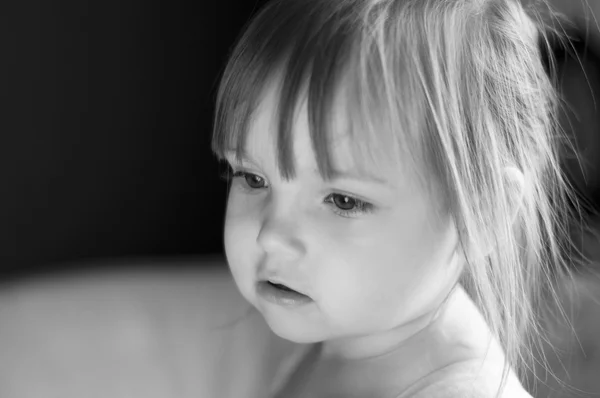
(401, 338)
(397, 359)
(454, 333)
(371, 347)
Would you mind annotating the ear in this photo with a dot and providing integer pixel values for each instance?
(515, 189)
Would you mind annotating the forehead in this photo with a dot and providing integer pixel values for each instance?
(348, 149)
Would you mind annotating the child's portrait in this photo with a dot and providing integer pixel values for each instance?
(409, 213)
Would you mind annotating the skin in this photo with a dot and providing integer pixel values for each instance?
(376, 279)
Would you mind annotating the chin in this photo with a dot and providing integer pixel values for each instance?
(296, 331)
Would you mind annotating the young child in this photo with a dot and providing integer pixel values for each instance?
(397, 206)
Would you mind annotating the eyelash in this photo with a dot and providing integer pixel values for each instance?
(361, 207)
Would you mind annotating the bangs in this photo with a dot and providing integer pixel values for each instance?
(327, 53)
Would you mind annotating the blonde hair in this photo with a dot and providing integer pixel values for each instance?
(454, 87)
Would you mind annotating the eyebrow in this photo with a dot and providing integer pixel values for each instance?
(336, 174)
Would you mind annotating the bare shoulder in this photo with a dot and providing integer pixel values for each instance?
(469, 379)
(145, 331)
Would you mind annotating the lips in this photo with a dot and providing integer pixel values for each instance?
(281, 285)
(281, 295)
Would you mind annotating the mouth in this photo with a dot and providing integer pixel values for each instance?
(275, 283)
(281, 294)
(282, 287)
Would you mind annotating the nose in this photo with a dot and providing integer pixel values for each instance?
(280, 233)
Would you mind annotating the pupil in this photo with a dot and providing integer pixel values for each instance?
(253, 180)
(344, 202)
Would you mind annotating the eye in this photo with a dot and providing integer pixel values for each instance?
(342, 204)
(252, 181)
(348, 206)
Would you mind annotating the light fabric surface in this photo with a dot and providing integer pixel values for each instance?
(143, 333)
(157, 331)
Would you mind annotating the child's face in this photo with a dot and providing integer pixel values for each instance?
(366, 273)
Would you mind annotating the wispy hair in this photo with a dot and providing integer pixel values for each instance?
(459, 91)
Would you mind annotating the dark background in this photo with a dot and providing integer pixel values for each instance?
(106, 126)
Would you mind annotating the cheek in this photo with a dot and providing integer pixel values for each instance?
(232, 228)
(239, 233)
(395, 269)
(239, 222)
(361, 296)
